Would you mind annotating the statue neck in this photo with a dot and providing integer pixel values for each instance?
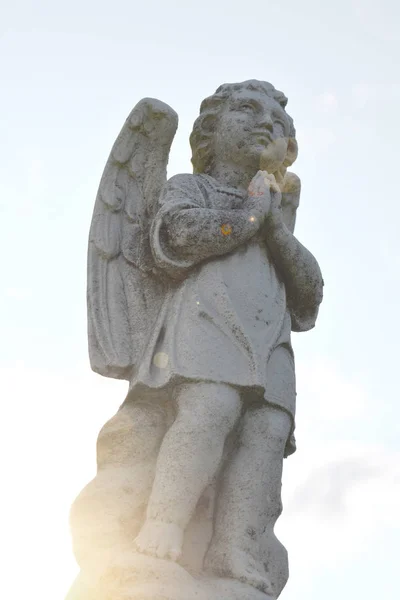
(231, 176)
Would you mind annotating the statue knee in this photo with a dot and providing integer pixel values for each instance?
(268, 423)
(273, 506)
(209, 405)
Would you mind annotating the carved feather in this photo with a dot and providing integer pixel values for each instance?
(119, 257)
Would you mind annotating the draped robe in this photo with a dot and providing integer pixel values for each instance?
(223, 320)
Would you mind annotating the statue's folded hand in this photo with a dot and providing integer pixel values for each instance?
(291, 188)
(266, 196)
(259, 194)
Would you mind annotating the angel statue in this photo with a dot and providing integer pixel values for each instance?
(194, 287)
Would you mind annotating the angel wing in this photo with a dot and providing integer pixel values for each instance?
(123, 293)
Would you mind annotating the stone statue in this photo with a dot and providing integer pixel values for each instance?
(194, 287)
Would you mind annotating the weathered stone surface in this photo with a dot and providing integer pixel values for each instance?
(194, 287)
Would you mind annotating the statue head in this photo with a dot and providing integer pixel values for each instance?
(246, 125)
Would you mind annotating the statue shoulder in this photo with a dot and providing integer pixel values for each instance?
(186, 185)
(189, 180)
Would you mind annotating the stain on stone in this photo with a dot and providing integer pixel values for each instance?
(203, 503)
(204, 315)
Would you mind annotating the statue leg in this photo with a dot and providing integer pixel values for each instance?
(189, 457)
(249, 503)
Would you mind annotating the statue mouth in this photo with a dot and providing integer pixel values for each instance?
(265, 135)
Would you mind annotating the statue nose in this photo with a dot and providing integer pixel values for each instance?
(267, 123)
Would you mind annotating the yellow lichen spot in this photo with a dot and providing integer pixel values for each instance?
(161, 360)
(226, 229)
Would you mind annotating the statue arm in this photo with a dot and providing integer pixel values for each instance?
(185, 232)
(301, 274)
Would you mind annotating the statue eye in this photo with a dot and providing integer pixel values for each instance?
(247, 105)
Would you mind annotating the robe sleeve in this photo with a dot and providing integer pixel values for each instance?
(179, 193)
(187, 230)
(304, 302)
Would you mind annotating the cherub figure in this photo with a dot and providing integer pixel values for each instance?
(194, 287)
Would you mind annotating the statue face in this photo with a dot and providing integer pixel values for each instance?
(252, 131)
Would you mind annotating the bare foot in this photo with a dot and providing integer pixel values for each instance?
(163, 540)
(239, 565)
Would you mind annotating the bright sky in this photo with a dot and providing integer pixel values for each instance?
(71, 72)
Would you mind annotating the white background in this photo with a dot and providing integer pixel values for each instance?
(70, 74)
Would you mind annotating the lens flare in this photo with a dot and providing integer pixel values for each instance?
(161, 360)
(226, 229)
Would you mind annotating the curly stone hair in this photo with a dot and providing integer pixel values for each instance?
(204, 126)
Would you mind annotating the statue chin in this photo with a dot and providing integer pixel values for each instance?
(273, 157)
